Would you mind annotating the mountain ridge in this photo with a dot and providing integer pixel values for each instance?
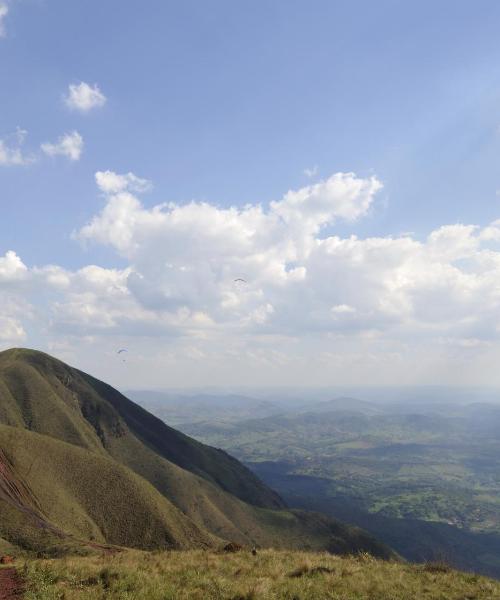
(115, 474)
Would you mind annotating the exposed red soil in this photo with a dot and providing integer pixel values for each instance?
(11, 584)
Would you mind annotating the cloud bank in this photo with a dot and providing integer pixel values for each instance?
(309, 304)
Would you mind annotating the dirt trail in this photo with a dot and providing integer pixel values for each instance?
(11, 584)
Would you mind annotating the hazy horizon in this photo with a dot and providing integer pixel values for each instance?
(377, 394)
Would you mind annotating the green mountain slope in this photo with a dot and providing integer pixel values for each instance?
(64, 496)
(103, 415)
(79, 461)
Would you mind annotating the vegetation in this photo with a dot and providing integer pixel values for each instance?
(422, 477)
(269, 575)
(81, 465)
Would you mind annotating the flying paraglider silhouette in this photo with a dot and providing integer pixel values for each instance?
(119, 352)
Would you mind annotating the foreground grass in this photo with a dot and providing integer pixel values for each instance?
(198, 575)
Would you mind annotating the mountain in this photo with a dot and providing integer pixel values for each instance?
(82, 464)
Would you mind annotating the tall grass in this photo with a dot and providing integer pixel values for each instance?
(198, 575)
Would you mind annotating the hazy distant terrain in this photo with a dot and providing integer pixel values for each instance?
(423, 476)
(178, 408)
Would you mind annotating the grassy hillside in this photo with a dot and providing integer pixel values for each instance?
(89, 496)
(270, 575)
(80, 463)
(45, 395)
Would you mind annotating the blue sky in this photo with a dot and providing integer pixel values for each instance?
(228, 103)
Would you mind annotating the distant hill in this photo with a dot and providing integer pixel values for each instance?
(178, 408)
(423, 479)
(80, 463)
(345, 404)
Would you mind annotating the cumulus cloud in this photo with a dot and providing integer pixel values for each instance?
(11, 150)
(12, 267)
(84, 97)
(342, 195)
(69, 145)
(112, 183)
(308, 299)
(185, 257)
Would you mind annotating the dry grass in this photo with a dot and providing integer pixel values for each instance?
(198, 575)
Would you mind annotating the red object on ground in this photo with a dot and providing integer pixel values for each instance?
(5, 560)
(11, 584)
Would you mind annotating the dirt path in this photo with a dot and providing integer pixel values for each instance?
(11, 584)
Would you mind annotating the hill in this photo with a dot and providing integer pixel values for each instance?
(81, 463)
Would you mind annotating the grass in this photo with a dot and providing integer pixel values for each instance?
(199, 575)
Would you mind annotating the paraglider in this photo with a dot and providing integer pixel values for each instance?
(119, 352)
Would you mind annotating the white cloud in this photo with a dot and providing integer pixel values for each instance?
(112, 183)
(4, 9)
(12, 267)
(185, 257)
(83, 97)
(11, 150)
(69, 145)
(356, 305)
(342, 195)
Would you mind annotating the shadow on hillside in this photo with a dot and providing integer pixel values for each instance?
(415, 540)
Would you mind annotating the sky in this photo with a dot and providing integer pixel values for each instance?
(268, 193)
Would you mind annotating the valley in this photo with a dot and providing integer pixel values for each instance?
(423, 477)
